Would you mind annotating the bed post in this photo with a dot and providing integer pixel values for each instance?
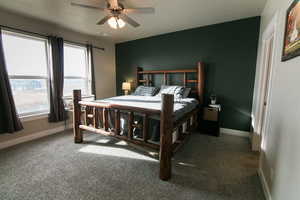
(166, 129)
(138, 69)
(200, 86)
(77, 116)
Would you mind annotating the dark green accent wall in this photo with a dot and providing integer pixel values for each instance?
(228, 49)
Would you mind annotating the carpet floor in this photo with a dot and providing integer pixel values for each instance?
(53, 167)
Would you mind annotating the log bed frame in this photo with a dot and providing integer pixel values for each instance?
(93, 117)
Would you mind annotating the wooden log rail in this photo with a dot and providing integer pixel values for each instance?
(95, 118)
(146, 77)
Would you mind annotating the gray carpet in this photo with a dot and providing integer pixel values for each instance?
(206, 168)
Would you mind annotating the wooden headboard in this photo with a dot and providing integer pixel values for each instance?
(146, 78)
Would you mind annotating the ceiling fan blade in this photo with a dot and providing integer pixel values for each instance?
(140, 10)
(93, 4)
(102, 21)
(129, 20)
(113, 3)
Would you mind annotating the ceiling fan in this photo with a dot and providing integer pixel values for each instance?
(116, 17)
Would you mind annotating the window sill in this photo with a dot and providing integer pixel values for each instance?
(83, 97)
(38, 116)
(33, 117)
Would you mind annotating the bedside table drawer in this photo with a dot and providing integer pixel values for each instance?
(211, 114)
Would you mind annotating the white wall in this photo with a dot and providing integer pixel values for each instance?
(104, 65)
(280, 160)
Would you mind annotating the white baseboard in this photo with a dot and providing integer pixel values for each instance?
(265, 186)
(255, 141)
(33, 136)
(239, 133)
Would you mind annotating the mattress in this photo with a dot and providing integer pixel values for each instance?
(181, 105)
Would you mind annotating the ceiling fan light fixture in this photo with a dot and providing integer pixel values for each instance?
(115, 23)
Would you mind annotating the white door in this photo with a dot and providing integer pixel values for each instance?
(268, 58)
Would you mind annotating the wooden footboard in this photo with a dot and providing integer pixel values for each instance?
(93, 117)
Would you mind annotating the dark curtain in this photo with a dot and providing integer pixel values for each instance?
(9, 120)
(91, 54)
(56, 80)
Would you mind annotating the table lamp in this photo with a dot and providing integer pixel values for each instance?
(126, 86)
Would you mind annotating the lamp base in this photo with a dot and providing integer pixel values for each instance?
(126, 92)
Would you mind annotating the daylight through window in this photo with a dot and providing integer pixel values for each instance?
(27, 66)
(76, 69)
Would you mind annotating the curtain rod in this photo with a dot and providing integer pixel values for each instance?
(42, 35)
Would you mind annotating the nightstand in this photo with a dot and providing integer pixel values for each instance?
(210, 123)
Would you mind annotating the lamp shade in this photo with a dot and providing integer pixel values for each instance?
(115, 23)
(126, 86)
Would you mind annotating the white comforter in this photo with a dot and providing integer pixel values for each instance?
(181, 105)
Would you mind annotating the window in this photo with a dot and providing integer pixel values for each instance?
(27, 66)
(76, 70)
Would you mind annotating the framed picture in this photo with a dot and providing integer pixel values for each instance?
(291, 47)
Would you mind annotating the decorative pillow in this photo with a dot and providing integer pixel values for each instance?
(177, 91)
(145, 91)
(186, 92)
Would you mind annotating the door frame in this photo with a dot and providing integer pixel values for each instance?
(262, 120)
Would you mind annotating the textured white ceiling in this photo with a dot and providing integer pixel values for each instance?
(170, 15)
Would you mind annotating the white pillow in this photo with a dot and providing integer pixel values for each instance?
(186, 92)
(145, 91)
(175, 90)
